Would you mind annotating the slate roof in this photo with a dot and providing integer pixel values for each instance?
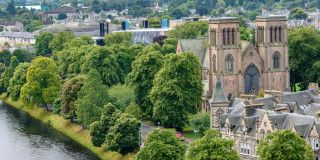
(17, 34)
(278, 120)
(301, 129)
(312, 109)
(268, 102)
(301, 97)
(8, 23)
(234, 121)
(218, 95)
(198, 47)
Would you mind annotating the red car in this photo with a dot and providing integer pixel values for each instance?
(179, 134)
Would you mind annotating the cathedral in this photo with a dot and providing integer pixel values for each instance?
(247, 67)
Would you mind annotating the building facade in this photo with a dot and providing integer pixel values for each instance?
(247, 67)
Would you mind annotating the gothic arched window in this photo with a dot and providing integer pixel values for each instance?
(228, 35)
(262, 134)
(224, 36)
(276, 58)
(233, 36)
(229, 63)
(214, 63)
(275, 34)
(279, 33)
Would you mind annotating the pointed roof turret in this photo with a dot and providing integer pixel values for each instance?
(218, 95)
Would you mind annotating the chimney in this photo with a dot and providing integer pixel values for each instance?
(107, 28)
(101, 29)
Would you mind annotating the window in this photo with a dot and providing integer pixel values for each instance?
(271, 34)
(243, 131)
(276, 60)
(262, 133)
(229, 64)
(214, 63)
(224, 36)
(228, 35)
(316, 143)
(312, 143)
(275, 34)
(233, 36)
(227, 129)
(244, 148)
(279, 34)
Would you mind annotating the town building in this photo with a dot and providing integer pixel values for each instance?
(17, 38)
(12, 26)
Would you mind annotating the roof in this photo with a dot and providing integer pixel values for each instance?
(301, 129)
(218, 95)
(197, 46)
(8, 23)
(268, 102)
(301, 97)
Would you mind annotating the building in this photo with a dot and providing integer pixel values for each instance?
(246, 123)
(15, 38)
(12, 25)
(248, 67)
(297, 23)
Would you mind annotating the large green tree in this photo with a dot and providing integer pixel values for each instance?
(99, 129)
(144, 69)
(298, 13)
(189, 30)
(92, 96)
(211, 147)
(162, 145)
(8, 74)
(5, 57)
(304, 52)
(200, 121)
(70, 95)
(177, 90)
(124, 38)
(123, 137)
(104, 61)
(23, 55)
(18, 80)
(284, 144)
(43, 83)
(42, 44)
(121, 96)
(59, 39)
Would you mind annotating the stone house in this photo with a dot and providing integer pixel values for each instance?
(12, 25)
(247, 123)
(297, 23)
(14, 38)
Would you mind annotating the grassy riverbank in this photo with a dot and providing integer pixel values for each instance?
(72, 130)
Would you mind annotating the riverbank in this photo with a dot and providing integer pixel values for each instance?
(72, 130)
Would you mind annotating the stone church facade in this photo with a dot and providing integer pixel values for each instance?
(247, 67)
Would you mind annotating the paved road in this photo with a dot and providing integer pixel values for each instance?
(147, 128)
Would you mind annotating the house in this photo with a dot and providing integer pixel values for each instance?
(296, 23)
(247, 123)
(14, 38)
(12, 25)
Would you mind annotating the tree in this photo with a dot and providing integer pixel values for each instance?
(62, 16)
(74, 4)
(5, 57)
(60, 38)
(91, 98)
(212, 147)
(142, 75)
(221, 4)
(1, 28)
(121, 96)
(134, 110)
(8, 74)
(43, 83)
(177, 13)
(162, 145)
(284, 144)
(177, 90)
(23, 55)
(88, 39)
(42, 44)
(33, 26)
(189, 30)
(18, 79)
(304, 47)
(70, 95)
(298, 13)
(104, 61)
(123, 137)
(124, 38)
(154, 23)
(169, 46)
(99, 129)
(11, 9)
(200, 121)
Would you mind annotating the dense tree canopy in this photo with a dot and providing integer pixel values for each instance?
(60, 38)
(177, 90)
(124, 38)
(39, 89)
(121, 96)
(42, 44)
(284, 144)
(18, 80)
(189, 30)
(142, 75)
(92, 96)
(200, 121)
(162, 145)
(123, 137)
(8, 74)
(22, 55)
(212, 147)
(298, 13)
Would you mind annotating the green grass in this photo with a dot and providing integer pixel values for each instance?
(72, 130)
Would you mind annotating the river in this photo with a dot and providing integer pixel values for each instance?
(25, 138)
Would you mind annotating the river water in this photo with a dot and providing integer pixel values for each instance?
(25, 138)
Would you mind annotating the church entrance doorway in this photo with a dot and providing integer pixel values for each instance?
(251, 80)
